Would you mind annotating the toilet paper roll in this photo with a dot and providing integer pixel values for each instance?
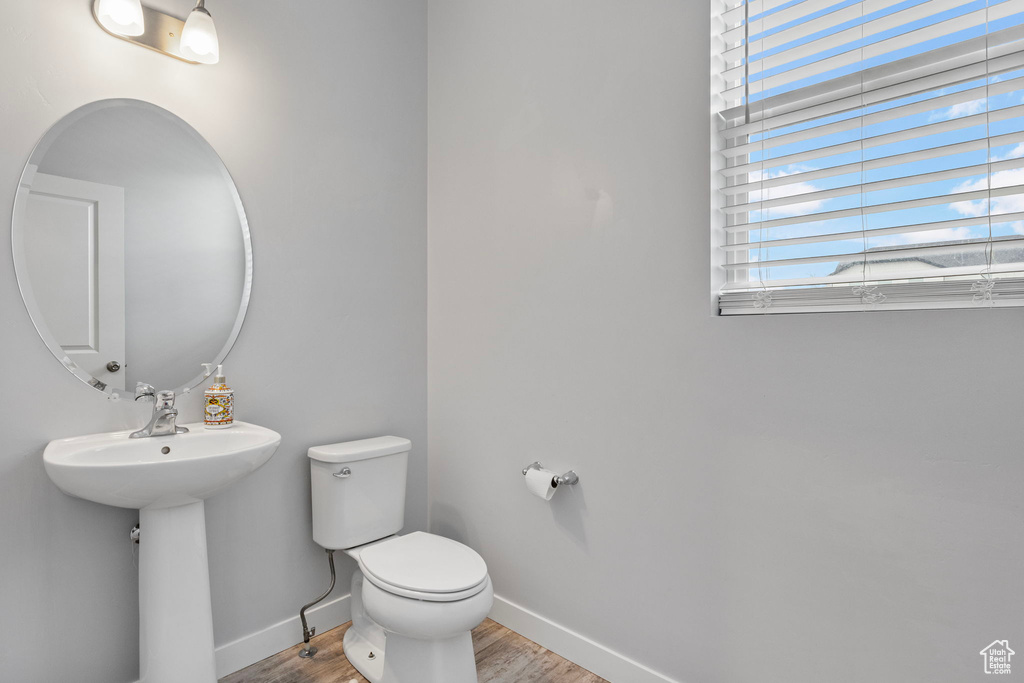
(539, 483)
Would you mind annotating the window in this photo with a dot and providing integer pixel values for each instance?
(869, 154)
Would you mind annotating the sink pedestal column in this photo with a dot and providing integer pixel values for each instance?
(175, 615)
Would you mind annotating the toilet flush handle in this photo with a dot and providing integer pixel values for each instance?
(345, 473)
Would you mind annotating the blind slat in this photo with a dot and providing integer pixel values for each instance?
(960, 172)
(798, 31)
(994, 48)
(959, 293)
(858, 257)
(801, 15)
(869, 234)
(951, 198)
(865, 30)
(895, 136)
(875, 118)
(916, 86)
(734, 17)
(874, 164)
(909, 274)
(873, 50)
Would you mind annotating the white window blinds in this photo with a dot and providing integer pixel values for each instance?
(870, 154)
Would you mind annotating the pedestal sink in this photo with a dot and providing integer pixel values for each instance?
(166, 478)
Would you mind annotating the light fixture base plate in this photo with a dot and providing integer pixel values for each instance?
(163, 32)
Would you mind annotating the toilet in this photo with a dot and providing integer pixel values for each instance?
(415, 598)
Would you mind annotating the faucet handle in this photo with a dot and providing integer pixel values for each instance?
(143, 390)
(164, 400)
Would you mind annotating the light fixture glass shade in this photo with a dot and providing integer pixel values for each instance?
(199, 38)
(123, 17)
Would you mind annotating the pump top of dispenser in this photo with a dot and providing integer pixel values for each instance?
(218, 377)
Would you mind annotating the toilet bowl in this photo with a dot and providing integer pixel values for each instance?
(415, 597)
(424, 594)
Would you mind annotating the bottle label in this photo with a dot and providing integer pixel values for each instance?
(220, 410)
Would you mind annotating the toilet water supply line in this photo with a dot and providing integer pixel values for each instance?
(307, 632)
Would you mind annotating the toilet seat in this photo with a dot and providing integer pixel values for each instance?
(423, 566)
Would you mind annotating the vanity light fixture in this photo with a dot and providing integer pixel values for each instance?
(123, 17)
(199, 37)
(193, 41)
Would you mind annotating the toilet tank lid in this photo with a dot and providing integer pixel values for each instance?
(351, 451)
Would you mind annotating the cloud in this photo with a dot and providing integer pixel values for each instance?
(1007, 204)
(1014, 153)
(957, 110)
(944, 235)
(790, 190)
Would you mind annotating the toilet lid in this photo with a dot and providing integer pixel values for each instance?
(424, 563)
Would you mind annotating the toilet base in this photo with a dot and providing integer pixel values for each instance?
(358, 651)
(422, 661)
(450, 660)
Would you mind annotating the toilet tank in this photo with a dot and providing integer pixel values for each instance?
(358, 490)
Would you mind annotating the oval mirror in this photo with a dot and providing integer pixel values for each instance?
(131, 247)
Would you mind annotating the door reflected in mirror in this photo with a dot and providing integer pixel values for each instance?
(131, 247)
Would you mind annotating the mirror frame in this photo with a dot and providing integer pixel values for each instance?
(21, 264)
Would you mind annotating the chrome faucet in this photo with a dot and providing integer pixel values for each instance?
(164, 414)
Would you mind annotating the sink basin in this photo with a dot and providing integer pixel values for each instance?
(168, 479)
(161, 471)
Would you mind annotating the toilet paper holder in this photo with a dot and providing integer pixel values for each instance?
(568, 479)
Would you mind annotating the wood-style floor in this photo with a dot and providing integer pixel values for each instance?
(502, 656)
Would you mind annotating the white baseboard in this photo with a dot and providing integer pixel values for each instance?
(578, 649)
(237, 655)
(604, 662)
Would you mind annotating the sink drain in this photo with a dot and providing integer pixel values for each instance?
(165, 450)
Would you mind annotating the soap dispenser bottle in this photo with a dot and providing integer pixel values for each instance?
(220, 401)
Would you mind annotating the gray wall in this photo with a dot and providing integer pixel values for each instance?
(319, 114)
(772, 499)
